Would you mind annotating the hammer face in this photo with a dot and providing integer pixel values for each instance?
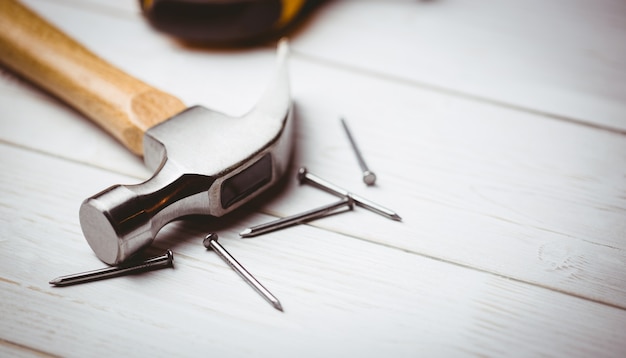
(205, 162)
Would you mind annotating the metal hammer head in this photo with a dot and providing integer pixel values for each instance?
(205, 162)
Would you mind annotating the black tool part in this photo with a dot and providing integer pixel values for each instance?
(211, 21)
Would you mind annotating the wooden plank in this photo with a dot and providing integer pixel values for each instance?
(500, 52)
(502, 190)
(496, 189)
(341, 295)
(560, 58)
(9, 349)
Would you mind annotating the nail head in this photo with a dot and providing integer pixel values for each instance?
(302, 174)
(170, 257)
(369, 177)
(207, 240)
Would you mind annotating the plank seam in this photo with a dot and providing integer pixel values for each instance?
(456, 93)
(459, 264)
(479, 269)
(16, 345)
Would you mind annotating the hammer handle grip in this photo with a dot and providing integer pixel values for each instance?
(121, 104)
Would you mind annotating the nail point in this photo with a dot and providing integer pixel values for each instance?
(278, 306)
(55, 281)
(246, 233)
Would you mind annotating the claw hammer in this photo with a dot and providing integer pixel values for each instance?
(205, 162)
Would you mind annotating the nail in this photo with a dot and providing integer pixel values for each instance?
(210, 242)
(299, 218)
(369, 177)
(165, 260)
(305, 177)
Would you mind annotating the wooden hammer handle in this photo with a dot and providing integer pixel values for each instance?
(123, 105)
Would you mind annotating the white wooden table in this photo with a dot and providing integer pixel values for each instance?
(497, 130)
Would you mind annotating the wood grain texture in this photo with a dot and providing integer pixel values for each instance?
(555, 58)
(513, 239)
(341, 295)
(123, 105)
(470, 179)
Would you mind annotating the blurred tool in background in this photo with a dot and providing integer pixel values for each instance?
(225, 22)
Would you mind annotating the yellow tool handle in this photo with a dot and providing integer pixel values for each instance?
(289, 11)
(123, 105)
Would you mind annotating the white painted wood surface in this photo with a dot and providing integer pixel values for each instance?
(497, 133)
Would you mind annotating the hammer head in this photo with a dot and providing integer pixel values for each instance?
(205, 162)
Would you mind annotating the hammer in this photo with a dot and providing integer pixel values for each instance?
(205, 162)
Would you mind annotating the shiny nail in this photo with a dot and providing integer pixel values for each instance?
(345, 202)
(162, 261)
(305, 177)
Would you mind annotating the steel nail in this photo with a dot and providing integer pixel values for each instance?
(305, 177)
(299, 218)
(210, 242)
(162, 261)
(369, 177)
